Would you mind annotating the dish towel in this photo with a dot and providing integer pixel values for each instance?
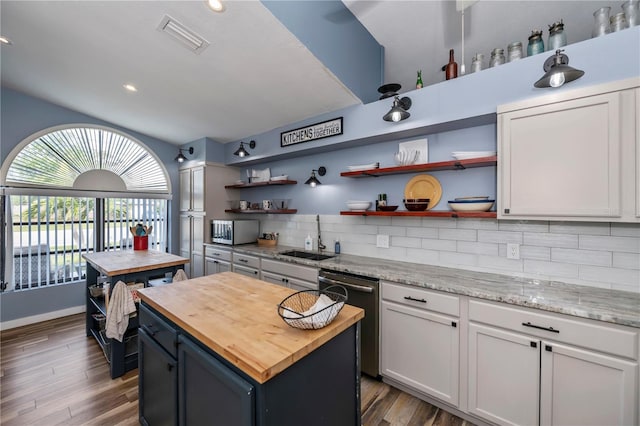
(121, 306)
(180, 275)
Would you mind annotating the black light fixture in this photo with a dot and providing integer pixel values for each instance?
(557, 71)
(241, 152)
(313, 180)
(398, 111)
(180, 158)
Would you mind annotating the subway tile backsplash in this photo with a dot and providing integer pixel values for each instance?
(604, 255)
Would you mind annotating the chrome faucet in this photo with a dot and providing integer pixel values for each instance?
(320, 245)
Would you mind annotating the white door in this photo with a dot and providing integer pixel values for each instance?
(580, 387)
(197, 189)
(244, 270)
(561, 160)
(299, 285)
(185, 190)
(421, 349)
(504, 376)
(197, 246)
(273, 278)
(185, 240)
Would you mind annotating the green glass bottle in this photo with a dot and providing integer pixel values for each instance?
(419, 81)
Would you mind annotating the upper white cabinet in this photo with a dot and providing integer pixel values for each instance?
(571, 156)
(202, 198)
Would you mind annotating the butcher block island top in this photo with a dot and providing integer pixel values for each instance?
(237, 317)
(111, 263)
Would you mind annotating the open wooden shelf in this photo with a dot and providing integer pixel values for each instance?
(426, 167)
(483, 215)
(268, 183)
(280, 211)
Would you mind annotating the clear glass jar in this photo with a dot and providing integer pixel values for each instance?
(497, 57)
(514, 51)
(630, 9)
(536, 44)
(557, 36)
(601, 22)
(476, 62)
(618, 22)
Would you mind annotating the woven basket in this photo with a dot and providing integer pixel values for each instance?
(293, 309)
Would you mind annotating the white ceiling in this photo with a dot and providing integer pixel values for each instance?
(255, 75)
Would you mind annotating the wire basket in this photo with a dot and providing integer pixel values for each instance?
(313, 309)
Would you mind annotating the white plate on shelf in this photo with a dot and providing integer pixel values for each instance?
(281, 177)
(363, 167)
(465, 155)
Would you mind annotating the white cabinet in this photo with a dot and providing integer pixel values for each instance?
(216, 260)
(296, 277)
(246, 265)
(570, 156)
(420, 340)
(527, 367)
(202, 198)
(192, 243)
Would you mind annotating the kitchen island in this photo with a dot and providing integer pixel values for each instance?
(213, 350)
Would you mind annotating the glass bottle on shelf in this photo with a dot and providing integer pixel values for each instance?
(476, 62)
(419, 80)
(618, 22)
(514, 51)
(536, 44)
(451, 69)
(630, 9)
(601, 24)
(497, 57)
(557, 36)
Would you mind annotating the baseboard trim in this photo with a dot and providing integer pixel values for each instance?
(7, 325)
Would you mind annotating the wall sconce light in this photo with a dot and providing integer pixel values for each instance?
(398, 111)
(241, 152)
(180, 158)
(313, 180)
(557, 71)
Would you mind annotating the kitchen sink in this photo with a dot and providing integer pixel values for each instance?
(306, 255)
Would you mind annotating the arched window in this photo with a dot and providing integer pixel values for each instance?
(73, 189)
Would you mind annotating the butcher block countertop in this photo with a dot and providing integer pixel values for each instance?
(112, 263)
(237, 317)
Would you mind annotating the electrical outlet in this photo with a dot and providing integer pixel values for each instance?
(382, 241)
(513, 251)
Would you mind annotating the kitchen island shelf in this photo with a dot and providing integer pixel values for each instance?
(483, 215)
(267, 183)
(425, 167)
(262, 211)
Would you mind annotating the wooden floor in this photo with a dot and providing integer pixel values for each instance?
(52, 374)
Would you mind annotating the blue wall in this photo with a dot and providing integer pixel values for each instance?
(331, 32)
(22, 116)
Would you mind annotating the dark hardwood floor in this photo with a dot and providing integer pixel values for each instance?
(52, 374)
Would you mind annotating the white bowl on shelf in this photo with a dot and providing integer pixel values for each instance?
(358, 206)
(471, 205)
(278, 178)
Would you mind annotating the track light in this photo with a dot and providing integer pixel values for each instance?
(180, 158)
(557, 71)
(313, 180)
(398, 111)
(241, 152)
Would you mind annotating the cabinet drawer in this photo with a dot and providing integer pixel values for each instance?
(420, 298)
(217, 253)
(159, 329)
(246, 260)
(290, 270)
(586, 333)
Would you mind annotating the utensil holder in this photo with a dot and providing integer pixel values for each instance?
(140, 242)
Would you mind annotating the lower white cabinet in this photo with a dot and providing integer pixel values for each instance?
(296, 277)
(529, 368)
(192, 243)
(246, 265)
(216, 260)
(420, 346)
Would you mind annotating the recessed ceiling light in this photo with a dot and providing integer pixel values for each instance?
(5, 40)
(130, 87)
(215, 5)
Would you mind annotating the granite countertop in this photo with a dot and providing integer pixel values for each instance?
(618, 307)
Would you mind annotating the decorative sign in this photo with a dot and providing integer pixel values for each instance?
(311, 133)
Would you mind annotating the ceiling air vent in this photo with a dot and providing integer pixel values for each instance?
(184, 35)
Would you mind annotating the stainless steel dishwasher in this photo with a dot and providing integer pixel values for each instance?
(363, 293)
